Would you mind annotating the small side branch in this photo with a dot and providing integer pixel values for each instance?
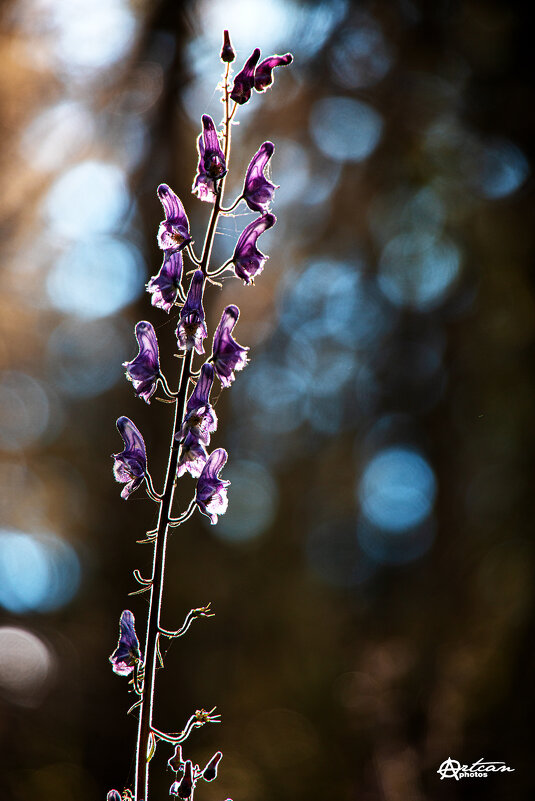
(151, 492)
(198, 719)
(233, 206)
(220, 270)
(191, 254)
(177, 521)
(193, 614)
(163, 381)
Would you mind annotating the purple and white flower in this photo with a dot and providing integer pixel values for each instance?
(200, 419)
(164, 287)
(212, 165)
(248, 260)
(211, 495)
(144, 370)
(192, 457)
(130, 465)
(173, 233)
(127, 653)
(227, 355)
(191, 329)
(257, 190)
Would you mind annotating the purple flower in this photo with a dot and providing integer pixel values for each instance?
(227, 52)
(173, 233)
(131, 464)
(248, 260)
(200, 418)
(213, 158)
(192, 457)
(212, 165)
(203, 185)
(165, 285)
(127, 653)
(210, 771)
(211, 496)
(191, 329)
(143, 371)
(113, 795)
(244, 80)
(257, 190)
(263, 76)
(184, 787)
(227, 355)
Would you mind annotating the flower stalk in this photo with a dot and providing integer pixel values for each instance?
(194, 417)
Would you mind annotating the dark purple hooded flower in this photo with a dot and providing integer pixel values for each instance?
(131, 464)
(213, 158)
(165, 285)
(203, 185)
(263, 76)
(184, 787)
(211, 496)
(244, 80)
(212, 165)
(248, 260)
(192, 457)
(113, 795)
(127, 652)
(144, 370)
(201, 418)
(227, 355)
(173, 233)
(227, 51)
(257, 190)
(191, 329)
(210, 771)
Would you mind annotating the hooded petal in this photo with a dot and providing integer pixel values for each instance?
(192, 457)
(191, 330)
(130, 465)
(227, 355)
(201, 394)
(263, 76)
(213, 157)
(144, 370)
(257, 190)
(203, 184)
(244, 80)
(127, 652)
(211, 495)
(165, 285)
(248, 260)
(173, 233)
(200, 419)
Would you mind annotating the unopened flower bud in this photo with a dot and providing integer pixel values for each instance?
(210, 771)
(227, 53)
(185, 786)
(176, 763)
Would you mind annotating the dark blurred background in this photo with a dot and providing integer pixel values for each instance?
(373, 577)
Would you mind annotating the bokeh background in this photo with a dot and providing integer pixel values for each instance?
(373, 577)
